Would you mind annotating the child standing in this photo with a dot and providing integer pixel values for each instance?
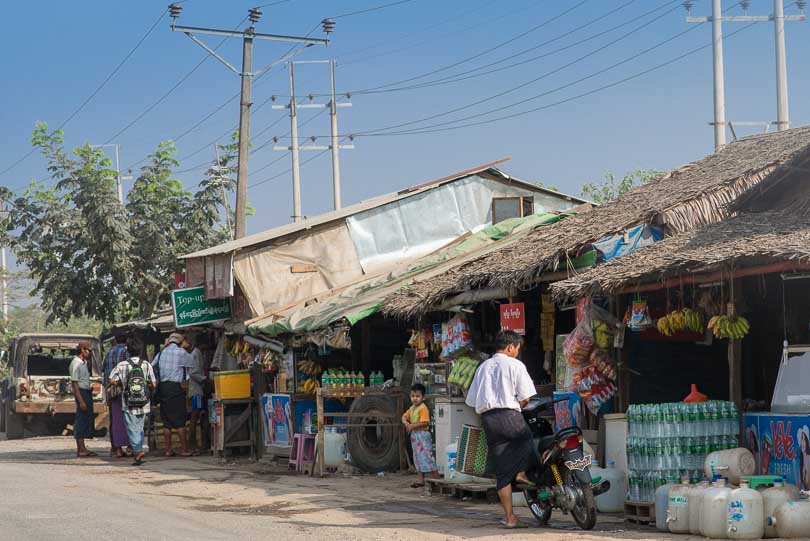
(417, 423)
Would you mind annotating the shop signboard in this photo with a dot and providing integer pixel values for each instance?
(780, 444)
(192, 308)
(277, 420)
(513, 317)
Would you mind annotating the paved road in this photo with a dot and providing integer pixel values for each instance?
(48, 494)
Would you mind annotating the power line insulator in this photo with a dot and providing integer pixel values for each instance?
(254, 14)
(745, 4)
(801, 4)
(687, 4)
(328, 25)
(175, 10)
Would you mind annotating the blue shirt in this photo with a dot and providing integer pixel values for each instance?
(117, 354)
(173, 363)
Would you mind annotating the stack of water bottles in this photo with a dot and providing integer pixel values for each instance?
(668, 441)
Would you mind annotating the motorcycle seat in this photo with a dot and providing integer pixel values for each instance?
(545, 442)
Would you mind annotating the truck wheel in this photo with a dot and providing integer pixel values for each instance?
(14, 423)
(373, 448)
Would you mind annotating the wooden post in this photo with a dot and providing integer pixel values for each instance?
(365, 346)
(321, 442)
(735, 357)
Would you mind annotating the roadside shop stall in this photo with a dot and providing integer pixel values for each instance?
(722, 310)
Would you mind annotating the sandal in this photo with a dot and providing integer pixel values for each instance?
(170, 454)
(518, 526)
(417, 485)
(88, 454)
(138, 461)
(186, 455)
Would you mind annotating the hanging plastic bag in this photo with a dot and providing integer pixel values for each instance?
(640, 316)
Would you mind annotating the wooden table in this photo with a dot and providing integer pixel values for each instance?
(393, 419)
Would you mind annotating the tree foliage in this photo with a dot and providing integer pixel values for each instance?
(609, 187)
(91, 256)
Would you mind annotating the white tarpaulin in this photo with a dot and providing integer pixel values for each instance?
(278, 276)
(421, 224)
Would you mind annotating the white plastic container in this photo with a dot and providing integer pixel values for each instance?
(696, 506)
(792, 520)
(611, 501)
(616, 441)
(334, 447)
(662, 506)
(746, 513)
(451, 452)
(714, 511)
(678, 511)
(773, 498)
(731, 463)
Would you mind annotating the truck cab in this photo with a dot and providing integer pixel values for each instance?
(37, 386)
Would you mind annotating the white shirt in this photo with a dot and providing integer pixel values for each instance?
(80, 373)
(501, 382)
(121, 373)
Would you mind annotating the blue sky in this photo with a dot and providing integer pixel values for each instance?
(57, 54)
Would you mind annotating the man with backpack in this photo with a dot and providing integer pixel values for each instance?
(137, 378)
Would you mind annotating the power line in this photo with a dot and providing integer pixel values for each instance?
(480, 54)
(171, 90)
(314, 157)
(430, 129)
(98, 89)
(543, 76)
(451, 79)
(368, 10)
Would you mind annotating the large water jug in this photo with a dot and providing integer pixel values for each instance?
(714, 511)
(696, 505)
(746, 513)
(774, 497)
(611, 501)
(731, 464)
(334, 447)
(792, 520)
(662, 506)
(678, 512)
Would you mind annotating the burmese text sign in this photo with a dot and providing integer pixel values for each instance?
(192, 308)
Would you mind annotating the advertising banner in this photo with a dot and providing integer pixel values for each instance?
(277, 420)
(781, 445)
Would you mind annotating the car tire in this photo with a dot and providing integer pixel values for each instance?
(373, 449)
(14, 423)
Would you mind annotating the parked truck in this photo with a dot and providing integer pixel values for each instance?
(36, 389)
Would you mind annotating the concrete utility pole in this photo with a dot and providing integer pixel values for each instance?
(247, 74)
(295, 146)
(118, 178)
(3, 267)
(717, 19)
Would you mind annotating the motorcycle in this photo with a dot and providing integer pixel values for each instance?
(561, 476)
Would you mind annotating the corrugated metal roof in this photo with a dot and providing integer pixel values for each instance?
(282, 231)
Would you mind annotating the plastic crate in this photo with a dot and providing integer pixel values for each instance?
(232, 384)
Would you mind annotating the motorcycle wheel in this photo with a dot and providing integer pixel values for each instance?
(539, 508)
(584, 511)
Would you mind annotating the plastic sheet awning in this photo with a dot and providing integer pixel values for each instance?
(361, 299)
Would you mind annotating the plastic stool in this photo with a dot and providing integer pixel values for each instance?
(302, 452)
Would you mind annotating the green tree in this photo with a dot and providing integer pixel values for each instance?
(609, 187)
(91, 256)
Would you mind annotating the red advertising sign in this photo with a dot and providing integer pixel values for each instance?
(513, 317)
(180, 280)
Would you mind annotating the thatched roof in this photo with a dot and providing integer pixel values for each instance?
(746, 239)
(684, 199)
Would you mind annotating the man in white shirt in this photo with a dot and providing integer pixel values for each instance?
(501, 388)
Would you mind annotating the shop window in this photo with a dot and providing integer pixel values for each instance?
(504, 208)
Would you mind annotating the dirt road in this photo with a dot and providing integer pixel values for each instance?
(47, 493)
